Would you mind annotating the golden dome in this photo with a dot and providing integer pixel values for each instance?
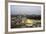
(29, 21)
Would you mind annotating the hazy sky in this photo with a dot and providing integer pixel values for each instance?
(26, 10)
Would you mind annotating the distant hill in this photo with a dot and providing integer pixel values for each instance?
(29, 16)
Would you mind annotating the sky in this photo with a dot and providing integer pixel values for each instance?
(25, 10)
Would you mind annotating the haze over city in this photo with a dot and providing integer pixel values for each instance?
(25, 10)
